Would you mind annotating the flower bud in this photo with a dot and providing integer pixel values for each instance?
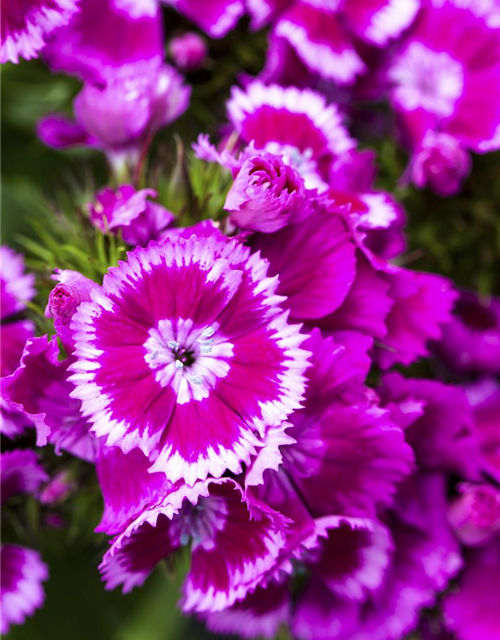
(441, 164)
(475, 513)
(266, 194)
(188, 51)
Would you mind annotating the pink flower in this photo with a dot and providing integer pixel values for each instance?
(475, 514)
(130, 213)
(194, 329)
(441, 163)
(440, 85)
(266, 194)
(17, 287)
(188, 51)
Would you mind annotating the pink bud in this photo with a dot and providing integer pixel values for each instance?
(475, 513)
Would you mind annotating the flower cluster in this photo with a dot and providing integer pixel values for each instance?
(231, 380)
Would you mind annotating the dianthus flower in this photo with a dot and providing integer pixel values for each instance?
(22, 570)
(186, 354)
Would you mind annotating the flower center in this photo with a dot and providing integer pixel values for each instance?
(187, 358)
(428, 79)
(199, 523)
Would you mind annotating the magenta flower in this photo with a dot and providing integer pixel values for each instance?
(122, 116)
(26, 25)
(22, 570)
(21, 593)
(72, 289)
(266, 195)
(438, 422)
(471, 340)
(438, 84)
(39, 391)
(188, 51)
(130, 213)
(21, 473)
(234, 542)
(106, 37)
(297, 124)
(17, 287)
(472, 610)
(207, 349)
(440, 163)
(475, 514)
(216, 17)
(321, 32)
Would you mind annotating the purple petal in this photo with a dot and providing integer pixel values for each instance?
(21, 473)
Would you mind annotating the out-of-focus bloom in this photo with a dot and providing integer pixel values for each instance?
(72, 289)
(21, 593)
(440, 163)
(26, 25)
(422, 304)
(438, 84)
(484, 398)
(234, 542)
(122, 116)
(130, 213)
(39, 390)
(21, 472)
(297, 124)
(17, 287)
(320, 32)
(471, 340)
(107, 37)
(196, 332)
(475, 514)
(472, 609)
(266, 195)
(188, 51)
(57, 489)
(22, 570)
(438, 423)
(216, 17)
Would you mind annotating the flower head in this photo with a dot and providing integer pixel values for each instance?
(17, 287)
(131, 213)
(266, 194)
(188, 51)
(186, 354)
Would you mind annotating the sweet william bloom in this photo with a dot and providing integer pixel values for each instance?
(471, 340)
(266, 195)
(188, 51)
(106, 37)
(21, 589)
(130, 213)
(17, 287)
(26, 25)
(440, 163)
(194, 329)
(216, 17)
(21, 473)
(472, 609)
(438, 422)
(439, 85)
(298, 124)
(72, 289)
(122, 116)
(320, 31)
(234, 543)
(475, 514)
(39, 391)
